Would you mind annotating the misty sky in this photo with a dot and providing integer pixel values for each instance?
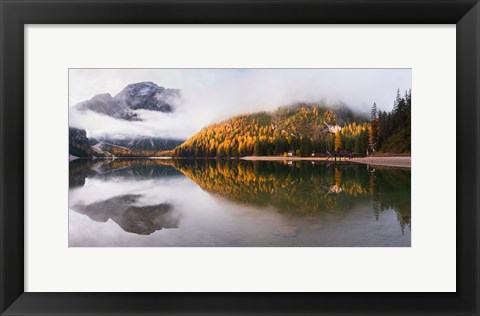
(210, 95)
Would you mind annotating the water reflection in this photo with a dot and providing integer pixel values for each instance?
(142, 220)
(304, 187)
(239, 203)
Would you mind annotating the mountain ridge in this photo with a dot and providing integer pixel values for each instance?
(144, 95)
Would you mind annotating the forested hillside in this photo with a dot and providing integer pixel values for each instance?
(391, 132)
(305, 130)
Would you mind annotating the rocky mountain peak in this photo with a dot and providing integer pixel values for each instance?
(148, 96)
(137, 96)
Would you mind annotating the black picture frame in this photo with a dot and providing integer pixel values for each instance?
(15, 14)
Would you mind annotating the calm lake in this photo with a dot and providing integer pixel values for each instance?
(157, 203)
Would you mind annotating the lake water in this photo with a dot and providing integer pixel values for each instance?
(158, 203)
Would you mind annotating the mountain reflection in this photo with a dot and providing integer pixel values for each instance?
(142, 220)
(308, 198)
(123, 209)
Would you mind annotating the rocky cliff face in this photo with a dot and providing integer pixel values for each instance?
(148, 96)
(78, 143)
(138, 96)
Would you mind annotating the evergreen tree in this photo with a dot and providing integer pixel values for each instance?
(374, 112)
(373, 130)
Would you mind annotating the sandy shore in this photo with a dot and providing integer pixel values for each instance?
(404, 162)
(400, 161)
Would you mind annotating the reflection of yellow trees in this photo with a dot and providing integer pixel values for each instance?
(120, 168)
(297, 188)
(304, 188)
(338, 177)
(354, 189)
(133, 163)
(300, 188)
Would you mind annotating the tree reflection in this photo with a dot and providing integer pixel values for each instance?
(390, 189)
(304, 187)
(294, 188)
(105, 169)
(78, 171)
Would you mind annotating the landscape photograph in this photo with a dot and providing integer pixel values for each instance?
(241, 157)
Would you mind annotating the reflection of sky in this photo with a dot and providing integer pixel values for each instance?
(212, 95)
(208, 220)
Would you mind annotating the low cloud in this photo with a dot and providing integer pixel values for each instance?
(211, 95)
(152, 124)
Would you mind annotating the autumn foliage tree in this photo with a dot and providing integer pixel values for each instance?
(300, 130)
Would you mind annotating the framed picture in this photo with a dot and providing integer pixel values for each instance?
(239, 157)
(307, 173)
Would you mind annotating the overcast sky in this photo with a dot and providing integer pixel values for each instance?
(210, 95)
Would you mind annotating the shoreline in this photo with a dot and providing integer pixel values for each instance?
(390, 161)
(385, 161)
